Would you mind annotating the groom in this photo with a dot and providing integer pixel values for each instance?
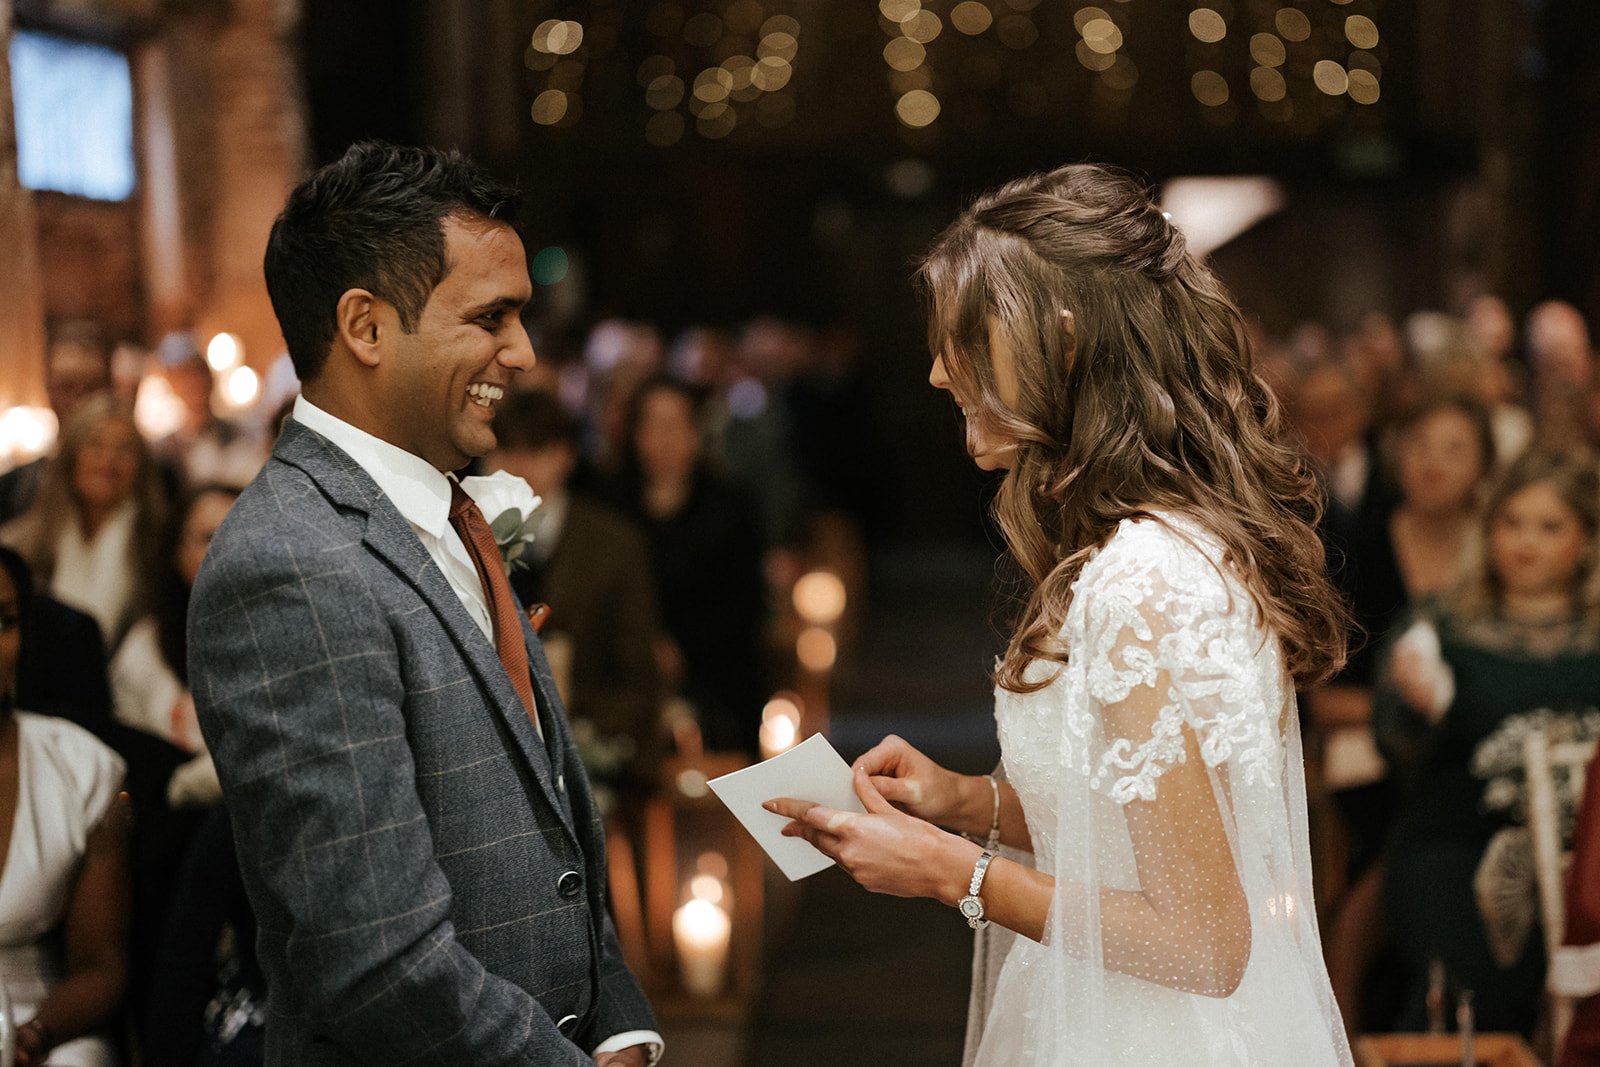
(416, 833)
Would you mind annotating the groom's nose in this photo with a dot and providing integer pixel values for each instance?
(519, 354)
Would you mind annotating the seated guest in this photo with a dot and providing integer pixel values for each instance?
(209, 1006)
(592, 567)
(705, 544)
(149, 674)
(77, 366)
(64, 911)
(95, 532)
(1520, 633)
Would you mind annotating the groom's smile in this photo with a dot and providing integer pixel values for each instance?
(450, 374)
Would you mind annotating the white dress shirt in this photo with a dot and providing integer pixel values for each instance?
(421, 493)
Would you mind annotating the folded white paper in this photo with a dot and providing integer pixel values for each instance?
(812, 771)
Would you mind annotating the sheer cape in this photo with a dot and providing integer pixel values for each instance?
(1161, 775)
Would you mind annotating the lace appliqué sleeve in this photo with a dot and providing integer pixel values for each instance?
(1170, 643)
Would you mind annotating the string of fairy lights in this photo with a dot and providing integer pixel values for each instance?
(709, 68)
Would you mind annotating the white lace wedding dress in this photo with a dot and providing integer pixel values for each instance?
(1161, 776)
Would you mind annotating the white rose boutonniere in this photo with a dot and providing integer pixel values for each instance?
(510, 508)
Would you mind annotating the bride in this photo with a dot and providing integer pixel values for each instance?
(1149, 841)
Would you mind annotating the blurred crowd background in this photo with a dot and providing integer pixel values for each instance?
(758, 522)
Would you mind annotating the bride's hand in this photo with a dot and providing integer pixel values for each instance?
(918, 786)
(885, 850)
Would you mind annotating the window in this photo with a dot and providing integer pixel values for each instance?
(74, 113)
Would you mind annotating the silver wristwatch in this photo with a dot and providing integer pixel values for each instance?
(971, 905)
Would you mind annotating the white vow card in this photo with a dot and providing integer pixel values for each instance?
(812, 771)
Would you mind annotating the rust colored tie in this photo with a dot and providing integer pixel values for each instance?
(479, 539)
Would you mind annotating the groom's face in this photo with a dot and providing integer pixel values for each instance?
(450, 373)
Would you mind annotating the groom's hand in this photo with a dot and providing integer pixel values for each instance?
(918, 786)
(885, 850)
(632, 1056)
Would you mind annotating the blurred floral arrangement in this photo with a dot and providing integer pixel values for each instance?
(604, 758)
(1505, 884)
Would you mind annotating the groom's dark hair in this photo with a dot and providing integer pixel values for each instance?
(372, 219)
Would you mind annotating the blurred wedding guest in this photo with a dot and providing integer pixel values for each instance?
(592, 567)
(77, 366)
(94, 534)
(1562, 363)
(64, 912)
(705, 543)
(617, 356)
(208, 1008)
(1576, 964)
(1520, 633)
(206, 448)
(1444, 452)
(751, 432)
(1333, 413)
(149, 673)
(1376, 353)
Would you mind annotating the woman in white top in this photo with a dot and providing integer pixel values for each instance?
(1155, 793)
(64, 883)
(149, 674)
(93, 535)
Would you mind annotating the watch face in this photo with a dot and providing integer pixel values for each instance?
(971, 907)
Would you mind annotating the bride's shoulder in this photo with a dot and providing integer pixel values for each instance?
(1171, 548)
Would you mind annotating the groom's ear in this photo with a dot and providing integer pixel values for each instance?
(360, 325)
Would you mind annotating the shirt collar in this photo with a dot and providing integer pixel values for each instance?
(418, 490)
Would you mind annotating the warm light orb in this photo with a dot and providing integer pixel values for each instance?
(1210, 88)
(1363, 88)
(706, 887)
(922, 26)
(242, 387)
(1102, 35)
(784, 46)
(917, 109)
(816, 649)
(1268, 84)
(157, 411)
(1330, 77)
(1268, 50)
(224, 352)
(819, 597)
(971, 17)
(1207, 25)
(1361, 31)
(903, 53)
(1292, 23)
(778, 735)
(26, 433)
(549, 107)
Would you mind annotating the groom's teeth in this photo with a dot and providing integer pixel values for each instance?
(484, 394)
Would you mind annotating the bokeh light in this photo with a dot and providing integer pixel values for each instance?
(1207, 25)
(971, 17)
(1209, 87)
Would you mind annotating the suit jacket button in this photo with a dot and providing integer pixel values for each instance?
(570, 884)
(561, 783)
(568, 1025)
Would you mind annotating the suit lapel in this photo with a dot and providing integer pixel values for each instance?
(390, 537)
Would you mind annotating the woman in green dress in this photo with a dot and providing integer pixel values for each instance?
(1520, 633)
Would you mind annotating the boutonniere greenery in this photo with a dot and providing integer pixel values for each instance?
(512, 512)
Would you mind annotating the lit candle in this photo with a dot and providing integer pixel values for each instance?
(701, 931)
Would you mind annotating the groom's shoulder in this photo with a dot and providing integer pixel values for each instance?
(282, 518)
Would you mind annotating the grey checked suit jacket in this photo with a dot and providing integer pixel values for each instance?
(429, 879)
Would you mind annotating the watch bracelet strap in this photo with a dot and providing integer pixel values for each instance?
(980, 869)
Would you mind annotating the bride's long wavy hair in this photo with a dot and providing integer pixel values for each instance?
(1145, 399)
